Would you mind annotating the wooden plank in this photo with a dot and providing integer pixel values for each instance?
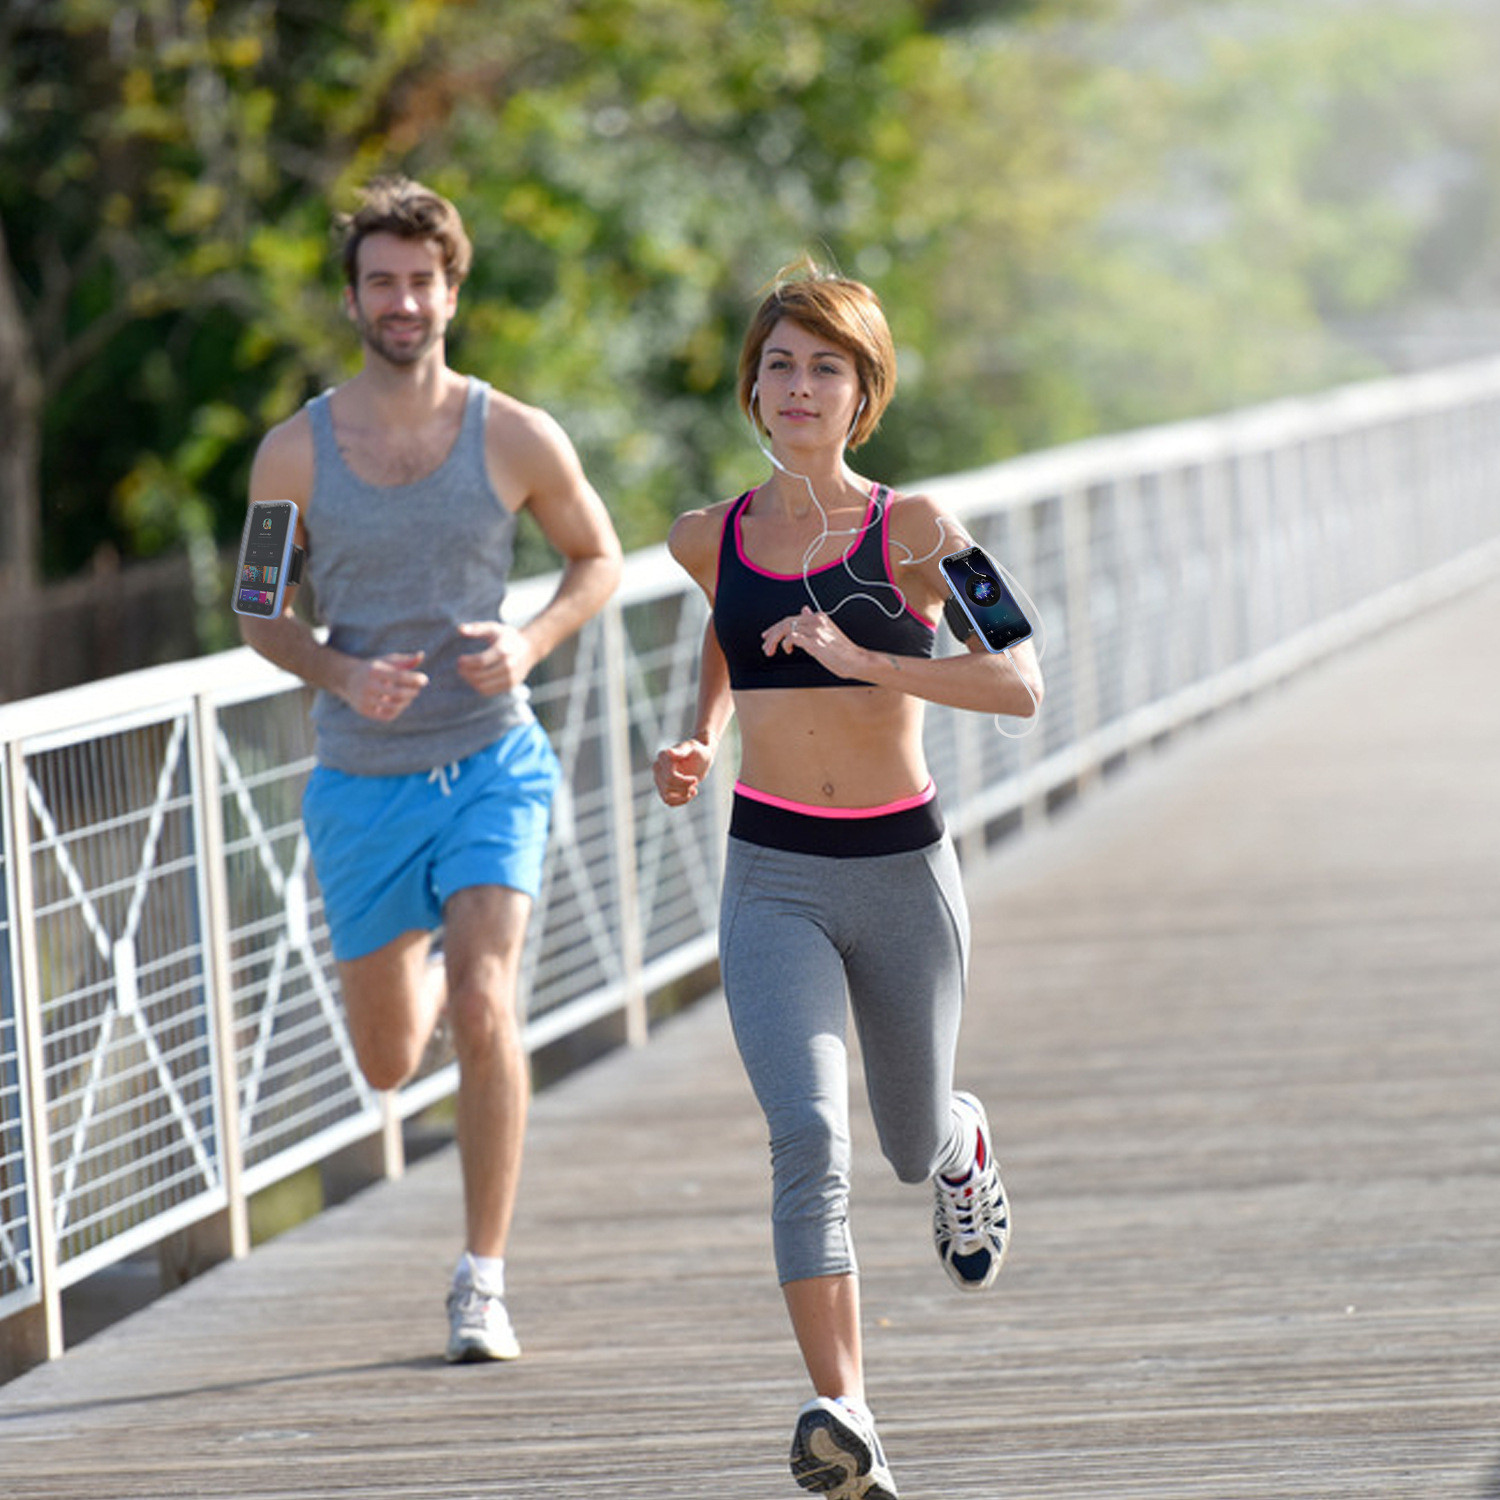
(1236, 1022)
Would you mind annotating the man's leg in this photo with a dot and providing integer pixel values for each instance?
(392, 999)
(484, 931)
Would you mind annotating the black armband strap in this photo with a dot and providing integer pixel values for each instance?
(958, 621)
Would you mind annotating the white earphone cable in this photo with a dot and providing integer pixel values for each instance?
(827, 531)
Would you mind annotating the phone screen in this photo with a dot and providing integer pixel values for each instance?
(265, 553)
(980, 591)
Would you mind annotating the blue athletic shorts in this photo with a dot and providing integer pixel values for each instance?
(389, 850)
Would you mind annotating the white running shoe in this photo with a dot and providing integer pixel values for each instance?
(836, 1452)
(478, 1326)
(971, 1217)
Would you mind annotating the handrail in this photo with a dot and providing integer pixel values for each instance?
(170, 1035)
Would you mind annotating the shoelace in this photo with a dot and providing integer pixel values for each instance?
(442, 774)
(475, 1306)
(970, 1208)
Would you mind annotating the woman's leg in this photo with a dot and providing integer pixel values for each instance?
(825, 1317)
(906, 980)
(784, 981)
(907, 967)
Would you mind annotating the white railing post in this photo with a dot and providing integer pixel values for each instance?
(1385, 518)
(1260, 594)
(1172, 493)
(1077, 592)
(1218, 539)
(1129, 565)
(38, 1334)
(615, 700)
(1032, 812)
(217, 972)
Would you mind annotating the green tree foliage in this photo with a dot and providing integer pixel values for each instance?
(1181, 209)
(1082, 214)
(634, 187)
(161, 170)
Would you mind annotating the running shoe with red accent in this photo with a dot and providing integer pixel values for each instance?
(478, 1326)
(971, 1217)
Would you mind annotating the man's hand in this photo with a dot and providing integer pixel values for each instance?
(504, 662)
(384, 687)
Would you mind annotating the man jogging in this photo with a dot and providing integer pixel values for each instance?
(429, 802)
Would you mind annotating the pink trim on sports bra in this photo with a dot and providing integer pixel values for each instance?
(843, 557)
(885, 553)
(902, 804)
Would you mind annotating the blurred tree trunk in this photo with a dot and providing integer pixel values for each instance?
(20, 413)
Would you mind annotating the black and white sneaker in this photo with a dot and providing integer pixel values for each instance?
(835, 1452)
(971, 1218)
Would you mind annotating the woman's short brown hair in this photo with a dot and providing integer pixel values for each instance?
(399, 206)
(846, 313)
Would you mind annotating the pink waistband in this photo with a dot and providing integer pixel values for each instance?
(808, 810)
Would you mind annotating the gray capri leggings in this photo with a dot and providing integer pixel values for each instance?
(799, 932)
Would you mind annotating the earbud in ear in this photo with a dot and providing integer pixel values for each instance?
(755, 417)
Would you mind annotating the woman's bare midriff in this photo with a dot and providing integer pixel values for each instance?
(848, 747)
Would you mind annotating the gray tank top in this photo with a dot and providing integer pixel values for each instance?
(398, 568)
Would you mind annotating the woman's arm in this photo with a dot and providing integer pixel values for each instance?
(988, 683)
(921, 535)
(681, 769)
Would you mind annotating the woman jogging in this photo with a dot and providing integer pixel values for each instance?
(841, 889)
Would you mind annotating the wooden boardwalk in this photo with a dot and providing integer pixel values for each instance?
(1238, 1022)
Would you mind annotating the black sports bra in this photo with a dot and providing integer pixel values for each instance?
(857, 590)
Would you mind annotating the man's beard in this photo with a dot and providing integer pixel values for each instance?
(401, 353)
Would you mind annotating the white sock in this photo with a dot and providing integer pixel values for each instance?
(487, 1272)
(959, 1161)
(858, 1407)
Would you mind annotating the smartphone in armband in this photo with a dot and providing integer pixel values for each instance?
(982, 602)
(270, 559)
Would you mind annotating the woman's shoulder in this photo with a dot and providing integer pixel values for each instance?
(907, 507)
(693, 525)
(693, 539)
(919, 534)
(920, 526)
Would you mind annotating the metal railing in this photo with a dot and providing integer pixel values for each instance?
(170, 1034)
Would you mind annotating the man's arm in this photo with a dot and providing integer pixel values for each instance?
(538, 462)
(380, 689)
(573, 519)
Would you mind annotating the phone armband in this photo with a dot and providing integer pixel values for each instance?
(269, 560)
(958, 622)
(983, 599)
